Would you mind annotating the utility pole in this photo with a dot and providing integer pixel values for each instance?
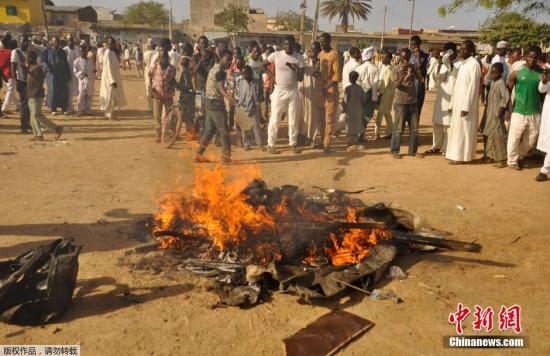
(170, 23)
(303, 7)
(43, 5)
(383, 29)
(316, 21)
(412, 19)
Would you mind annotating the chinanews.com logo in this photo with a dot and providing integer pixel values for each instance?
(509, 319)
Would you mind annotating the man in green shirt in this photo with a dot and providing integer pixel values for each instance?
(525, 122)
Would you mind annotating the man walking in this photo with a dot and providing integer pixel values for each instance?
(19, 72)
(111, 92)
(216, 114)
(8, 45)
(149, 57)
(464, 109)
(289, 70)
(162, 75)
(525, 121)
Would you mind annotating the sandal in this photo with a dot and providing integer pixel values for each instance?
(432, 151)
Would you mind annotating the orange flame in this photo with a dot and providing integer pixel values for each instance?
(356, 244)
(217, 204)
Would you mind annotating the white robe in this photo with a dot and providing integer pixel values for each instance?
(349, 67)
(72, 55)
(109, 75)
(544, 133)
(84, 71)
(368, 78)
(462, 142)
(446, 79)
(149, 57)
(432, 82)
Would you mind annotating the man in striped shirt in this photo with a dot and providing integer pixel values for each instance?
(216, 115)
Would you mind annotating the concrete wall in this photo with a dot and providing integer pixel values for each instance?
(203, 11)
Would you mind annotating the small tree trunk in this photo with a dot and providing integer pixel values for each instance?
(345, 23)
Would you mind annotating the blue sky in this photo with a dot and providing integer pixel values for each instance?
(399, 12)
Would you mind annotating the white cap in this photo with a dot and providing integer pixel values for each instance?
(368, 53)
(502, 44)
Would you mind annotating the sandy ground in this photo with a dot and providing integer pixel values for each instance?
(104, 175)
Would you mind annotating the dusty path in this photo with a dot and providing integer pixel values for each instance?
(104, 175)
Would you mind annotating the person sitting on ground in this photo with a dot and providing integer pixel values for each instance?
(497, 104)
(352, 106)
(35, 91)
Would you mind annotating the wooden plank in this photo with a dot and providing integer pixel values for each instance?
(327, 335)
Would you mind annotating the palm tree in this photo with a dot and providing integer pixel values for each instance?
(346, 9)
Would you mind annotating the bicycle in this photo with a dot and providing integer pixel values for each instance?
(172, 120)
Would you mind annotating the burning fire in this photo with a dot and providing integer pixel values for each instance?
(215, 208)
(356, 244)
(216, 205)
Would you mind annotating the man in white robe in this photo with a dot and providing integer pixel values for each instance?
(445, 76)
(111, 92)
(464, 109)
(149, 57)
(73, 53)
(368, 79)
(544, 133)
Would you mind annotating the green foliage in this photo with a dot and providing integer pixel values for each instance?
(516, 29)
(291, 20)
(346, 10)
(234, 19)
(526, 6)
(146, 12)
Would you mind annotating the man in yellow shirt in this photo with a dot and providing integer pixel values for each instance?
(330, 77)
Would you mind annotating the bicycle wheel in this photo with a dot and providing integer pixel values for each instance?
(171, 127)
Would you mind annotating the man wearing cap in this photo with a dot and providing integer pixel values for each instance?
(73, 53)
(502, 50)
(368, 79)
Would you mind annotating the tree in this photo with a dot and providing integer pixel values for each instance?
(526, 6)
(346, 10)
(290, 21)
(146, 12)
(516, 29)
(235, 19)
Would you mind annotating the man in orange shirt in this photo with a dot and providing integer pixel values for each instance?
(331, 76)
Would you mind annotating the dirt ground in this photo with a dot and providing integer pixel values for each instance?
(104, 175)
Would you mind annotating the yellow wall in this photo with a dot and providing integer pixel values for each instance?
(28, 11)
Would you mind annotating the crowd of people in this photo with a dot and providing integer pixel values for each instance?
(320, 92)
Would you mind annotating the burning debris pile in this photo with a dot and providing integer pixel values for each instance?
(251, 239)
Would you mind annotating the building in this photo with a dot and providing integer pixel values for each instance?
(22, 12)
(205, 17)
(135, 34)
